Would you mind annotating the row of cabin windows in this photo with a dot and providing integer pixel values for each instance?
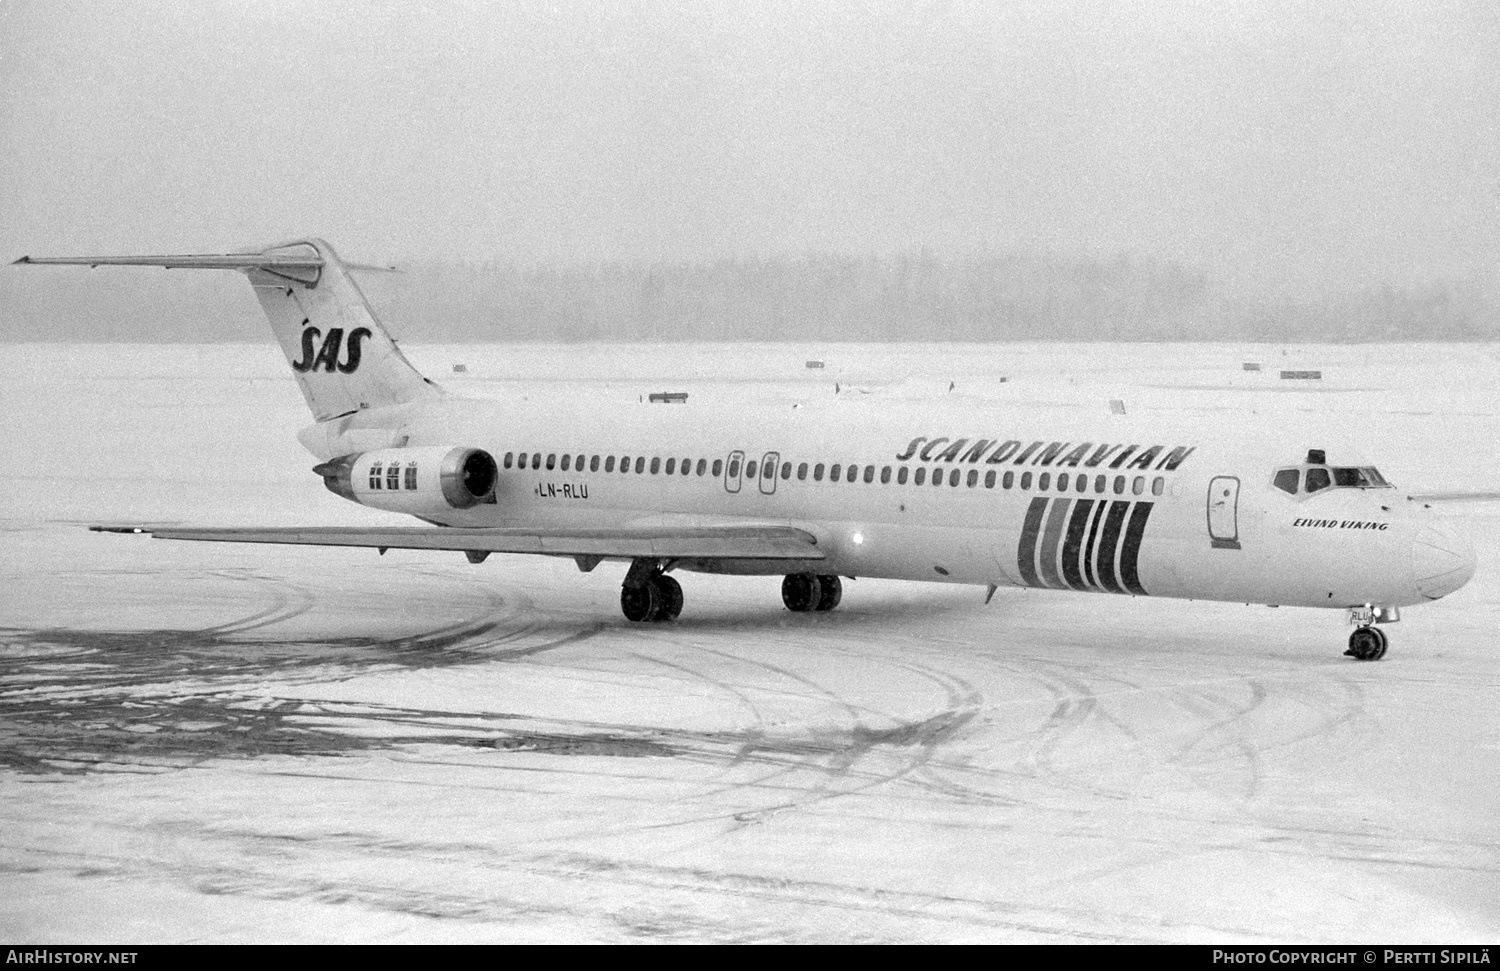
(390, 476)
(521, 460)
(838, 472)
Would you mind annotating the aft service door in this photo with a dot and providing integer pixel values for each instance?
(732, 471)
(1223, 512)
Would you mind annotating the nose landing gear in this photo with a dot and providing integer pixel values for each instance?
(1368, 642)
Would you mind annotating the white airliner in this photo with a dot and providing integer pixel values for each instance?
(953, 492)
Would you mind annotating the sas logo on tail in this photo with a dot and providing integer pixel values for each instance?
(327, 355)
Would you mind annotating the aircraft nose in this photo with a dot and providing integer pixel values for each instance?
(1442, 560)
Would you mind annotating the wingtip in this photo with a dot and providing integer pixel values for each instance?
(118, 529)
(21, 261)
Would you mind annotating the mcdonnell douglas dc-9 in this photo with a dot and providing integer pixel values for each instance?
(951, 491)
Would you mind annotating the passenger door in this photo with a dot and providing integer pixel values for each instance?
(1223, 512)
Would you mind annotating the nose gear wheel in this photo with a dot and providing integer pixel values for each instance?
(1367, 644)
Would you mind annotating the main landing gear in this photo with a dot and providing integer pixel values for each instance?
(1368, 642)
(802, 592)
(650, 595)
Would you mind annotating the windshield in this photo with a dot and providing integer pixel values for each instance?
(1316, 478)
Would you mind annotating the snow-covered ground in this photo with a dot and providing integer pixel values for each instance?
(205, 743)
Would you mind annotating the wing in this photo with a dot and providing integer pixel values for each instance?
(1456, 496)
(697, 542)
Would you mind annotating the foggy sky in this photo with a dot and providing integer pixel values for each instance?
(1306, 142)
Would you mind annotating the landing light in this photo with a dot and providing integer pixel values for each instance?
(857, 538)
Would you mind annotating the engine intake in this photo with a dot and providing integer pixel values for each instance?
(424, 480)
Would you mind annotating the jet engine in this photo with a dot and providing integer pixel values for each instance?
(424, 481)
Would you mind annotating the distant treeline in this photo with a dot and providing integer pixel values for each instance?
(876, 298)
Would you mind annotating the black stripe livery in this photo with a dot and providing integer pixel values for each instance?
(1026, 553)
(1109, 541)
(1130, 554)
(1073, 544)
(1064, 545)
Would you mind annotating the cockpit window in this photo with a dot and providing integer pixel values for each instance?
(1360, 478)
(1317, 477)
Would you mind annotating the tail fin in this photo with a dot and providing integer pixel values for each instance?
(344, 360)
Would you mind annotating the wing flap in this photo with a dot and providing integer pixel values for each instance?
(706, 542)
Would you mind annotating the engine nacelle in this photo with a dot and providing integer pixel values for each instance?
(420, 481)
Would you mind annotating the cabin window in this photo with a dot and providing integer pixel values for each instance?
(551, 461)
(578, 464)
(1025, 480)
(702, 465)
(973, 478)
(1044, 481)
(594, 463)
(734, 468)
(566, 462)
(536, 460)
(655, 465)
(989, 479)
(786, 471)
(1157, 485)
(901, 476)
(393, 476)
(640, 464)
(852, 475)
(375, 479)
(521, 461)
(921, 475)
(509, 459)
(671, 466)
(718, 467)
(1138, 486)
(835, 472)
(1099, 483)
(1009, 480)
(937, 477)
(1317, 480)
(609, 463)
(1083, 483)
(802, 472)
(869, 475)
(687, 466)
(954, 476)
(885, 475)
(411, 475)
(1119, 485)
(749, 469)
(1062, 482)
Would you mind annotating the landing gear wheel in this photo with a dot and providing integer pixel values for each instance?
(833, 592)
(640, 603)
(670, 593)
(801, 592)
(1367, 644)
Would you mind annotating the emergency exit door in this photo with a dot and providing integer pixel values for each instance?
(1224, 513)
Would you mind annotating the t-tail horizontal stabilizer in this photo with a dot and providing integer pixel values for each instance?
(343, 358)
